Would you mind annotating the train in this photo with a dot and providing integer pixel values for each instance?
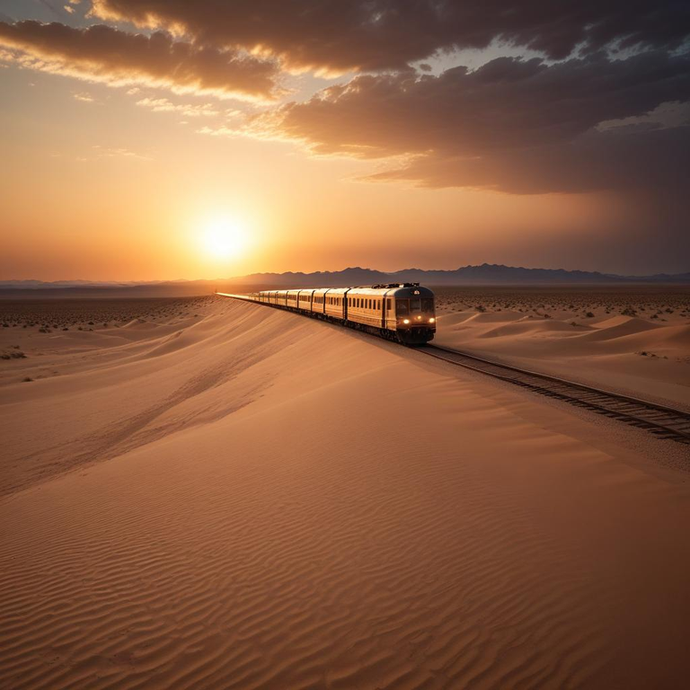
(401, 312)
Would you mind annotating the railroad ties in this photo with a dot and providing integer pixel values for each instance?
(662, 421)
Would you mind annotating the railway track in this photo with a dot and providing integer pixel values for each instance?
(660, 420)
(664, 422)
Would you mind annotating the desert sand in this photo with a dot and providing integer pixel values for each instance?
(222, 495)
(635, 340)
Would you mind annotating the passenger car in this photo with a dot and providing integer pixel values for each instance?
(404, 312)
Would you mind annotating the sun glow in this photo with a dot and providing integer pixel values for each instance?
(224, 238)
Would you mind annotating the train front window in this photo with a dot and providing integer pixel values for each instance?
(402, 307)
(415, 304)
(428, 306)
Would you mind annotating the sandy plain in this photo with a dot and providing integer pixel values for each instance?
(206, 493)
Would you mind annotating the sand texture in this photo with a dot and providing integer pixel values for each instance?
(222, 495)
(634, 340)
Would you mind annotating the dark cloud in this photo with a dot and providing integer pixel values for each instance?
(513, 125)
(654, 158)
(102, 53)
(381, 34)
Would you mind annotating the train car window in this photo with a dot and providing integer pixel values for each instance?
(415, 304)
(388, 303)
(402, 307)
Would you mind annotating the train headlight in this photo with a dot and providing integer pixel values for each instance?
(432, 320)
(406, 321)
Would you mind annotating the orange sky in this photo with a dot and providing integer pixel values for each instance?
(108, 180)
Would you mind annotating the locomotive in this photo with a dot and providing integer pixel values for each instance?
(402, 312)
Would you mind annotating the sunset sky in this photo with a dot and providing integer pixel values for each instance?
(165, 139)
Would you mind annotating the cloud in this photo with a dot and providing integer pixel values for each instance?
(520, 126)
(343, 35)
(595, 161)
(83, 96)
(103, 54)
(101, 152)
(163, 105)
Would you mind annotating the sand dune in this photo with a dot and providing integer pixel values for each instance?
(251, 499)
(648, 357)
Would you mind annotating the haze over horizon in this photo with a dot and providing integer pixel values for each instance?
(176, 140)
(469, 274)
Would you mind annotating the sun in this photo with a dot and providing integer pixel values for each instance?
(224, 238)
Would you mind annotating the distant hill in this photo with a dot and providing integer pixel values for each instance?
(486, 274)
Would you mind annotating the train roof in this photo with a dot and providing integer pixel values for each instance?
(394, 290)
(391, 289)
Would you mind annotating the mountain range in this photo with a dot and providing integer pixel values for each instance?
(485, 274)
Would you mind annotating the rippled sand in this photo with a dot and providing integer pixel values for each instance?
(231, 496)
